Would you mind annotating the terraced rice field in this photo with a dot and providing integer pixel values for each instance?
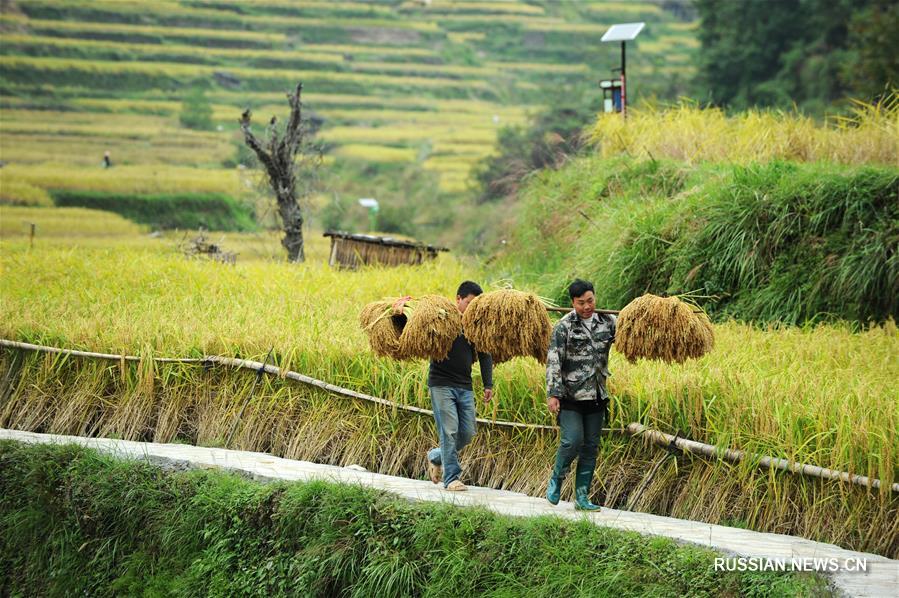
(393, 81)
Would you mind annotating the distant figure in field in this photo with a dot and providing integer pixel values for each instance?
(107, 163)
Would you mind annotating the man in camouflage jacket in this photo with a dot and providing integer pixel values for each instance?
(576, 372)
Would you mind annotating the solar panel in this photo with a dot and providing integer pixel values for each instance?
(623, 32)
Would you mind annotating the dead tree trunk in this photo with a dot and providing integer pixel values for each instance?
(278, 159)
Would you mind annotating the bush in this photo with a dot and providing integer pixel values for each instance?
(213, 211)
(553, 135)
(784, 242)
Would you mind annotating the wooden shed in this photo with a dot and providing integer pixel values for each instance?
(351, 251)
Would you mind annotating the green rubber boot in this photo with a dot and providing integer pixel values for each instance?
(582, 480)
(560, 472)
(554, 488)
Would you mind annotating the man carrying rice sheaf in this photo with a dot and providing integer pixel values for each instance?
(452, 399)
(576, 372)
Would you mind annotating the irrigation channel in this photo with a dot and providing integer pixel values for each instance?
(207, 401)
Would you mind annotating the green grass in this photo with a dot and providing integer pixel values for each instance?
(212, 211)
(73, 521)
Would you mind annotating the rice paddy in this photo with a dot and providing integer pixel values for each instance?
(693, 134)
(299, 325)
(146, 178)
(758, 390)
(358, 57)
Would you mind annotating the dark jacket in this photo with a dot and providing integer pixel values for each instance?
(455, 370)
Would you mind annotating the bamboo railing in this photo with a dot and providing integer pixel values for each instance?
(633, 429)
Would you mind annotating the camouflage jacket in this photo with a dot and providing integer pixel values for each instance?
(578, 361)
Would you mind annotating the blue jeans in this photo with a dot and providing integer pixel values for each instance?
(455, 418)
(580, 438)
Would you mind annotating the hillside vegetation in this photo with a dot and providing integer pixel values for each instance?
(750, 215)
(814, 54)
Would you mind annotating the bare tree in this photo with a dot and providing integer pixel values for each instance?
(278, 156)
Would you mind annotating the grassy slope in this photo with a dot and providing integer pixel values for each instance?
(74, 521)
(794, 243)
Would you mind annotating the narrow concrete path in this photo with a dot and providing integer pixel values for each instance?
(881, 578)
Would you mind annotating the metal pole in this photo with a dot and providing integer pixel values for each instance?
(623, 85)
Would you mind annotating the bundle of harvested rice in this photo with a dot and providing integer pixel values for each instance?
(508, 324)
(433, 324)
(663, 328)
(425, 329)
(383, 328)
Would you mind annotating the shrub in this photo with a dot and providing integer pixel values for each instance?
(781, 241)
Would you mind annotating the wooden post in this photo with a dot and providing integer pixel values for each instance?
(565, 310)
(333, 259)
(31, 235)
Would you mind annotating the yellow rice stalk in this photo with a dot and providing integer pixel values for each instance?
(662, 328)
(426, 328)
(507, 324)
(383, 328)
(433, 324)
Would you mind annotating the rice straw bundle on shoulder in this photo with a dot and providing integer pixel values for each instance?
(425, 329)
(508, 324)
(433, 324)
(383, 328)
(662, 328)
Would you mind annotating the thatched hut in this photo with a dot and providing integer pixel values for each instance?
(351, 251)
